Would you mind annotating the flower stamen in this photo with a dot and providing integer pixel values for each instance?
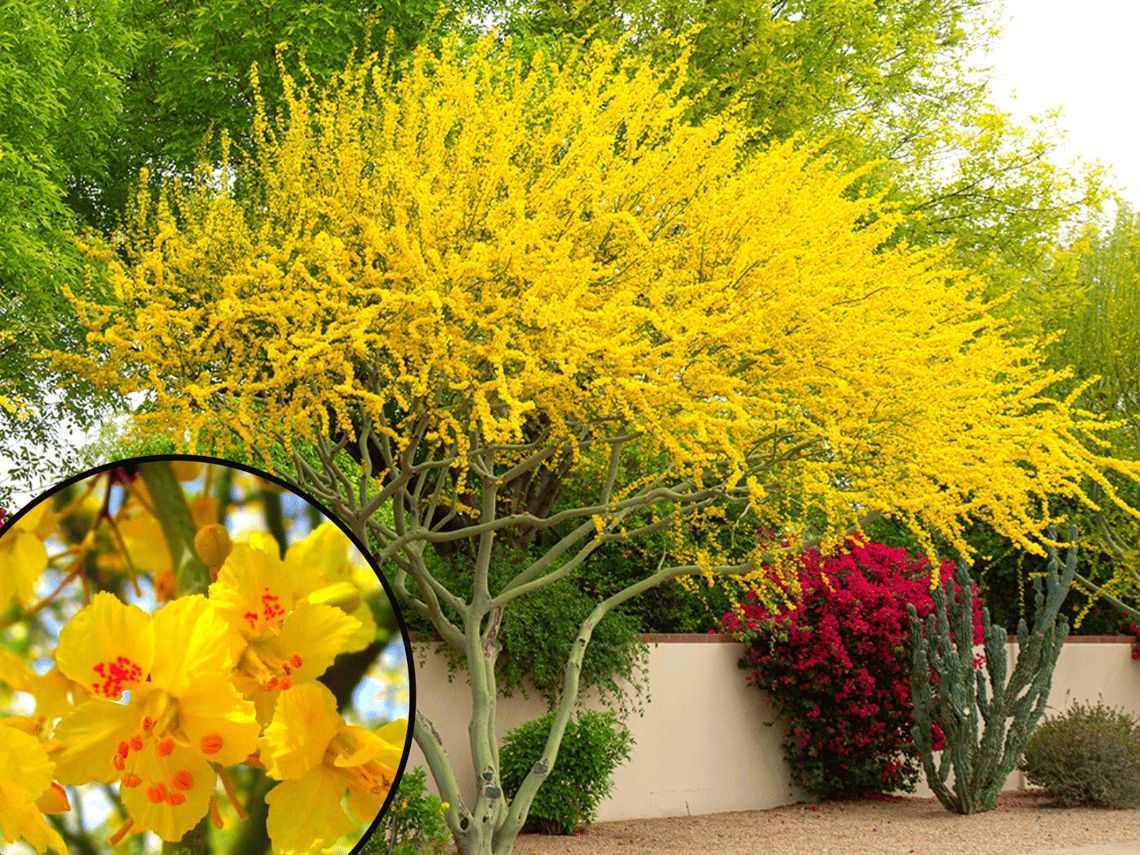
(231, 792)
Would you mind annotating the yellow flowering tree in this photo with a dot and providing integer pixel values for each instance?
(178, 657)
(432, 298)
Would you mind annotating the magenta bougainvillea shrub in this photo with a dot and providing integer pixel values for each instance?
(836, 667)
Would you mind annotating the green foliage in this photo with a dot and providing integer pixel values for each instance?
(948, 686)
(414, 822)
(539, 630)
(192, 75)
(58, 101)
(1087, 756)
(1091, 301)
(688, 604)
(891, 85)
(592, 748)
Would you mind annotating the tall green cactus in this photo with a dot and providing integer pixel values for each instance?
(981, 766)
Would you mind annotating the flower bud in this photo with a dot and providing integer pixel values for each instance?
(213, 545)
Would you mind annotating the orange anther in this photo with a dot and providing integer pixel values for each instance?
(296, 661)
(160, 788)
(137, 742)
(211, 744)
(175, 798)
(118, 762)
(272, 683)
(286, 684)
(131, 780)
(147, 722)
(124, 749)
(153, 794)
(182, 780)
(165, 746)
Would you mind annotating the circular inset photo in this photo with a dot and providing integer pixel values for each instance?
(194, 657)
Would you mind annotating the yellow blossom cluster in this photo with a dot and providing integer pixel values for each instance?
(487, 254)
(160, 693)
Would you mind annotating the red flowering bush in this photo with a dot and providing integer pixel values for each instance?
(1134, 630)
(837, 668)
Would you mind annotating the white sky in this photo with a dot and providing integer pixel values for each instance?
(1079, 58)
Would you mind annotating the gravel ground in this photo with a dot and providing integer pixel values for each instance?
(1022, 823)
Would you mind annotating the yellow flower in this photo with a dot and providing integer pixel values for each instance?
(183, 713)
(322, 573)
(23, 555)
(286, 641)
(50, 690)
(27, 791)
(317, 757)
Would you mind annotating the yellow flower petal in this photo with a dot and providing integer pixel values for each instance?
(194, 642)
(90, 734)
(23, 557)
(107, 646)
(25, 770)
(25, 776)
(145, 541)
(319, 560)
(316, 633)
(365, 804)
(170, 793)
(303, 725)
(54, 800)
(305, 815)
(212, 714)
(373, 746)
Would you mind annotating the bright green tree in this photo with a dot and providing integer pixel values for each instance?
(59, 97)
(894, 83)
(1093, 304)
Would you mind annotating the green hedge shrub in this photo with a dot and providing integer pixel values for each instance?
(592, 748)
(1088, 756)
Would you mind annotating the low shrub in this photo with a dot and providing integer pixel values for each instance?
(834, 664)
(1087, 756)
(592, 748)
(414, 822)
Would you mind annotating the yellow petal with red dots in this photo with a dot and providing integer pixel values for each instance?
(305, 815)
(252, 591)
(217, 721)
(91, 734)
(107, 646)
(303, 725)
(194, 640)
(170, 791)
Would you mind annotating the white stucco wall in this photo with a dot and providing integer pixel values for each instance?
(702, 746)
